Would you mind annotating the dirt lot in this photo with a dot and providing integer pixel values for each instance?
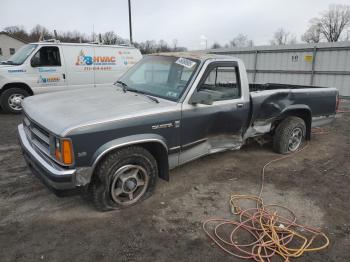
(35, 225)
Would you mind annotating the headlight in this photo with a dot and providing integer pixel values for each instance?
(63, 151)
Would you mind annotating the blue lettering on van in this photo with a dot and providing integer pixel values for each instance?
(47, 70)
(16, 70)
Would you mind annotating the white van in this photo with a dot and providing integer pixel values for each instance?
(53, 66)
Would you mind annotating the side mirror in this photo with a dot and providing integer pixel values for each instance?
(201, 97)
(35, 62)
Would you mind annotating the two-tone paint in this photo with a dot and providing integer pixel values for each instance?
(99, 121)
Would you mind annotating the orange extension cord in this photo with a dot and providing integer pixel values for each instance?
(273, 233)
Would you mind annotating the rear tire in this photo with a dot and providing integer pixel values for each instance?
(11, 100)
(124, 178)
(289, 135)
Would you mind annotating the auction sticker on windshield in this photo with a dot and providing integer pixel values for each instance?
(185, 62)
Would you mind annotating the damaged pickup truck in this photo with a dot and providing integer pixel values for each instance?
(168, 109)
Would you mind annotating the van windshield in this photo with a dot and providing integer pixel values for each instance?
(160, 76)
(21, 55)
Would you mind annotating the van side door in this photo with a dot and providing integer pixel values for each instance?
(46, 70)
(79, 61)
(208, 128)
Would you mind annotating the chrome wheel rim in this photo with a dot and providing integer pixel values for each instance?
(295, 139)
(15, 101)
(129, 184)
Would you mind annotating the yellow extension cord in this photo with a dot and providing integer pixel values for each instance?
(274, 234)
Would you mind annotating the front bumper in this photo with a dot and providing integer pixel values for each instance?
(49, 172)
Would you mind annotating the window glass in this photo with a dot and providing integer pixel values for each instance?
(21, 55)
(152, 73)
(162, 76)
(12, 51)
(47, 56)
(221, 82)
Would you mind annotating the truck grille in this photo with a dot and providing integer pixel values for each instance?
(37, 136)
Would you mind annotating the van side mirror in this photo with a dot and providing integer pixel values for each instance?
(201, 97)
(35, 61)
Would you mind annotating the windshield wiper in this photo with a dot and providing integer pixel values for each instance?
(9, 62)
(143, 93)
(127, 88)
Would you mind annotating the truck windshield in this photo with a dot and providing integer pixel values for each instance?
(161, 76)
(21, 55)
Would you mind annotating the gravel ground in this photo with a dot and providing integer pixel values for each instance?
(35, 225)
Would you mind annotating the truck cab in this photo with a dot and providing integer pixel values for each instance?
(53, 66)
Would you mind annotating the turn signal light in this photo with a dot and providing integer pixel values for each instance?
(67, 152)
(63, 151)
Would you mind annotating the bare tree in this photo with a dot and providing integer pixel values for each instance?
(333, 22)
(38, 33)
(283, 37)
(216, 45)
(163, 46)
(147, 47)
(241, 41)
(111, 38)
(17, 31)
(313, 33)
(72, 37)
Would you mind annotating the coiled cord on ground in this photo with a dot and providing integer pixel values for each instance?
(273, 233)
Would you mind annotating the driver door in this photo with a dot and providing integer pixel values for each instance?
(219, 126)
(47, 71)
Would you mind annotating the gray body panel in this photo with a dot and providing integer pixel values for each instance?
(102, 119)
(67, 112)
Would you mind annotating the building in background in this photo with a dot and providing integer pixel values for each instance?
(9, 45)
(322, 64)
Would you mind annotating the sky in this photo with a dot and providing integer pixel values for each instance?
(188, 21)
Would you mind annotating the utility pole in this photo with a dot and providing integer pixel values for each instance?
(130, 26)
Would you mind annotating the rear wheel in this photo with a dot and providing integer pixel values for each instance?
(289, 135)
(11, 100)
(124, 178)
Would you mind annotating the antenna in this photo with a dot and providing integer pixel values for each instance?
(55, 33)
(130, 25)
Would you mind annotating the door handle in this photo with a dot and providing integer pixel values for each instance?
(240, 105)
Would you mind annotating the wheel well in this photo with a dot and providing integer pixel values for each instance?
(303, 114)
(17, 85)
(161, 155)
(158, 151)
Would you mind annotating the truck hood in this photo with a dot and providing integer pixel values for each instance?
(64, 112)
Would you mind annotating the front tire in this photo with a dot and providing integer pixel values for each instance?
(289, 135)
(124, 178)
(11, 100)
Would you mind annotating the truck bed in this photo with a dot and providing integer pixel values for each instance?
(274, 86)
(271, 101)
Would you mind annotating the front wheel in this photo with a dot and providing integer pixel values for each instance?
(289, 135)
(11, 100)
(125, 177)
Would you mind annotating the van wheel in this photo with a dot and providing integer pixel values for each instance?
(125, 177)
(11, 100)
(289, 135)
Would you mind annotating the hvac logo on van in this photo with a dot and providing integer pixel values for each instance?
(86, 60)
(48, 80)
